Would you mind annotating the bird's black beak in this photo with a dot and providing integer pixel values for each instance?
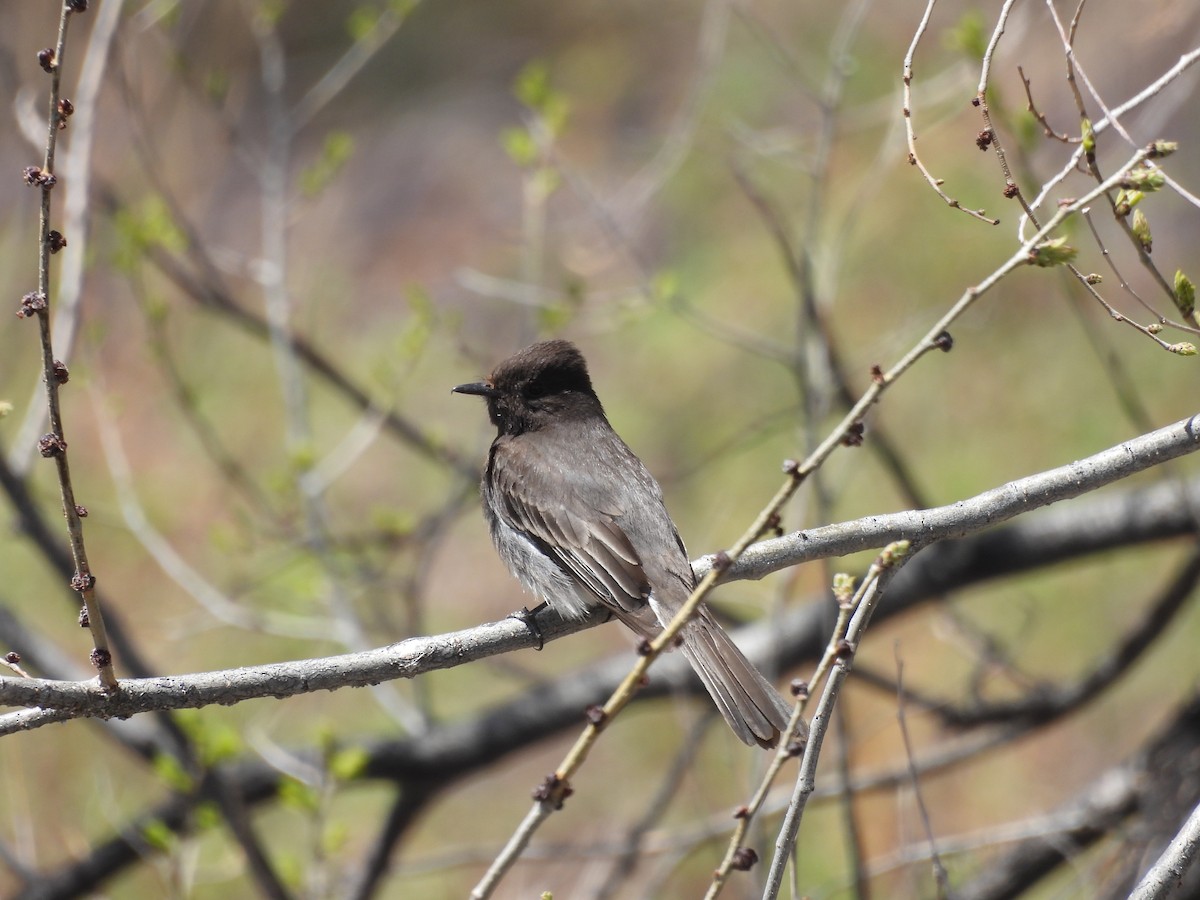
(479, 388)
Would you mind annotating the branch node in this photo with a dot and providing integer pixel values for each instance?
(83, 581)
(553, 791)
(744, 859)
(31, 304)
(51, 445)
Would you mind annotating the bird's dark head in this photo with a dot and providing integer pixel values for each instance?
(544, 383)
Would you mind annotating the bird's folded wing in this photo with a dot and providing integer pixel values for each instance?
(586, 541)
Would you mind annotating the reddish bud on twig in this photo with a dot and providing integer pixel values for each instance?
(101, 659)
(741, 812)
(744, 859)
(791, 467)
(799, 688)
(877, 374)
(77, 6)
(721, 561)
(12, 657)
(944, 342)
(46, 59)
(61, 375)
(844, 649)
(51, 445)
(984, 139)
(643, 647)
(65, 108)
(56, 241)
(81, 511)
(36, 177)
(84, 621)
(595, 714)
(81, 582)
(854, 435)
(31, 304)
(552, 789)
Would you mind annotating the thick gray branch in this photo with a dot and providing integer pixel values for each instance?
(424, 654)
(967, 516)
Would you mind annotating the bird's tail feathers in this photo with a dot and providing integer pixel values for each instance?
(748, 702)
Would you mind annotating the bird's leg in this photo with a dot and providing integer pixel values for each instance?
(528, 617)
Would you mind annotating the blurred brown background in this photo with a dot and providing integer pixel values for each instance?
(436, 219)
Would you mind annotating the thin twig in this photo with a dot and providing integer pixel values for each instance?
(1168, 871)
(55, 374)
(1185, 62)
(907, 110)
(77, 175)
(940, 876)
(865, 601)
(1040, 116)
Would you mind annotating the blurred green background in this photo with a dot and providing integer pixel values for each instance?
(496, 173)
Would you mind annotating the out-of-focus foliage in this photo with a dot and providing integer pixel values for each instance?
(494, 173)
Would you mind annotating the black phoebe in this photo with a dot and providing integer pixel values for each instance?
(580, 522)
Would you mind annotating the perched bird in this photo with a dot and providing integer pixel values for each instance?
(580, 522)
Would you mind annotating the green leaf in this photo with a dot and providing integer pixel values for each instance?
(1028, 130)
(303, 457)
(555, 112)
(532, 87)
(170, 770)
(1185, 294)
(216, 85)
(298, 795)
(215, 741)
(139, 228)
(1055, 252)
(1140, 226)
(336, 151)
(1144, 179)
(1127, 200)
(348, 763)
(158, 835)
(208, 816)
(393, 521)
(664, 286)
(1089, 136)
(545, 181)
(520, 146)
(969, 36)
(553, 317)
(222, 744)
(335, 838)
(532, 84)
(1160, 149)
(271, 11)
(362, 22)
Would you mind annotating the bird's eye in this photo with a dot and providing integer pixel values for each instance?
(538, 388)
